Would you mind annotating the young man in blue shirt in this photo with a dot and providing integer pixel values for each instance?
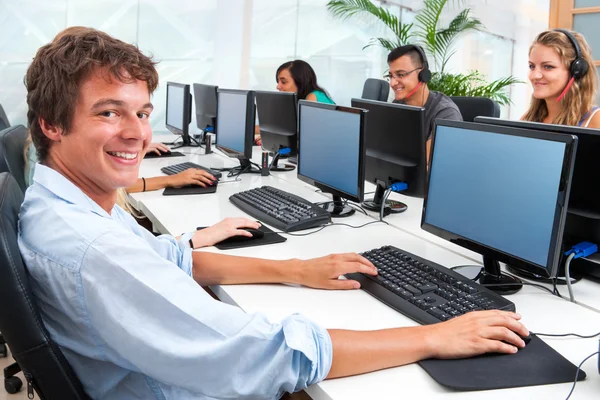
(126, 307)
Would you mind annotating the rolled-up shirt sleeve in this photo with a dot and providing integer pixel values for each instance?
(149, 316)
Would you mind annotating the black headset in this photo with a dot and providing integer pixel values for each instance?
(579, 67)
(425, 73)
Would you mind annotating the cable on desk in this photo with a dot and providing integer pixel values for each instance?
(577, 373)
(320, 228)
(383, 200)
(567, 334)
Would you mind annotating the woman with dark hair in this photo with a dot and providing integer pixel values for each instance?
(299, 77)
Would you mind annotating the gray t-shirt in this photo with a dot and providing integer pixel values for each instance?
(438, 105)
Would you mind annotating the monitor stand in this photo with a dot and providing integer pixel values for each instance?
(492, 275)
(337, 208)
(275, 167)
(244, 168)
(187, 142)
(374, 204)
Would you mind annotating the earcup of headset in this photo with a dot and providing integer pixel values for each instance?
(579, 68)
(425, 75)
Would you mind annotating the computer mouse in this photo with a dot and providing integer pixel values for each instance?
(526, 339)
(163, 152)
(256, 233)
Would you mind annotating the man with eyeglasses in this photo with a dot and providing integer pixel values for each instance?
(408, 77)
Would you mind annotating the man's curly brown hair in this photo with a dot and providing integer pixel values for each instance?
(59, 68)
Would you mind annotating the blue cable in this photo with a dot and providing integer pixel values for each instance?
(582, 249)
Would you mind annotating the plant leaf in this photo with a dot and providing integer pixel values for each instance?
(345, 9)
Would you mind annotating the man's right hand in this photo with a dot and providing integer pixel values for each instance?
(476, 333)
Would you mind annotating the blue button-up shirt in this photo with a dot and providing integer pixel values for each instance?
(123, 307)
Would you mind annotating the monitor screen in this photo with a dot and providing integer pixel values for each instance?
(205, 98)
(178, 116)
(235, 121)
(175, 100)
(331, 148)
(500, 191)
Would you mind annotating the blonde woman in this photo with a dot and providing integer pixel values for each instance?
(564, 80)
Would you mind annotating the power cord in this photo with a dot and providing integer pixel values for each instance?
(577, 373)
(582, 249)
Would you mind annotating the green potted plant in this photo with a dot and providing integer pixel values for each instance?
(436, 41)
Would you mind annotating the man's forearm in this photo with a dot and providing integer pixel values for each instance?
(214, 269)
(358, 352)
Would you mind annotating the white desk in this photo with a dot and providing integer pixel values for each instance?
(356, 309)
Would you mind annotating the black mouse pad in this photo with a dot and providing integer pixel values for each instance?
(269, 238)
(190, 189)
(152, 154)
(536, 364)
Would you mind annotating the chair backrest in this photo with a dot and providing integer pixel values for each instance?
(376, 89)
(21, 325)
(3, 119)
(471, 107)
(12, 141)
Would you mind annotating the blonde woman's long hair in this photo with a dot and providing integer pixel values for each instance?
(580, 97)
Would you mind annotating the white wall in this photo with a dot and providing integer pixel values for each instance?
(240, 43)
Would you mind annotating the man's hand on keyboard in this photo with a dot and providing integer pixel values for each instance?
(476, 333)
(191, 176)
(323, 273)
(223, 230)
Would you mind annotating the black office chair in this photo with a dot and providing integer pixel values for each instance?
(44, 365)
(12, 141)
(471, 107)
(376, 89)
(3, 119)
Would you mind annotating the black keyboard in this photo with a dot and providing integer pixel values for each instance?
(177, 168)
(280, 209)
(422, 290)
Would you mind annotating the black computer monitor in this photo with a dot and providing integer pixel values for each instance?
(179, 111)
(331, 152)
(235, 122)
(501, 192)
(278, 124)
(583, 217)
(395, 150)
(205, 98)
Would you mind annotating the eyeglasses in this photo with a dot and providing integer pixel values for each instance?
(399, 75)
